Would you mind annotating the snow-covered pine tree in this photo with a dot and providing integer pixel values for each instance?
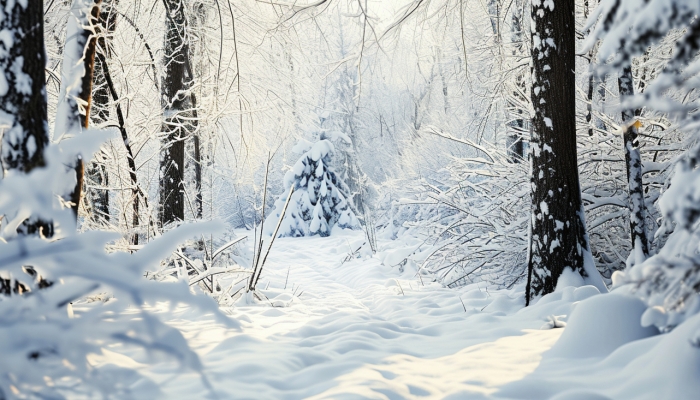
(319, 199)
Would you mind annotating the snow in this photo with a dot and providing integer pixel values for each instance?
(600, 325)
(331, 317)
(23, 82)
(4, 86)
(657, 367)
(31, 145)
(365, 329)
(569, 278)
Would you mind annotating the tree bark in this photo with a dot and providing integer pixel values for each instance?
(558, 237)
(176, 83)
(633, 162)
(23, 96)
(96, 175)
(23, 110)
(75, 98)
(23, 92)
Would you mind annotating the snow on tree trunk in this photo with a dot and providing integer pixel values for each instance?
(633, 161)
(558, 240)
(319, 199)
(23, 111)
(73, 110)
(177, 105)
(22, 86)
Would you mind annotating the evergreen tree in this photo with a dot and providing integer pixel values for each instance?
(319, 199)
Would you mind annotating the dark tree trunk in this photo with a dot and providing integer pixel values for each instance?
(558, 234)
(24, 100)
(589, 105)
(633, 161)
(136, 193)
(199, 21)
(96, 175)
(197, 177)
(177, 112)
(23, 143)
(23, 106)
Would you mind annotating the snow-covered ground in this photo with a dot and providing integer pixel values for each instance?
(367, 330)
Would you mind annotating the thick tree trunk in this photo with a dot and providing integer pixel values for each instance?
(23, 95)
(633, 161)
(177, 112)
(558, 237)
(23, 110)
(22, 87)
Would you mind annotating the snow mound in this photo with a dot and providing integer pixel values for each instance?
(663, 366)
(601, 324)
(579, 395)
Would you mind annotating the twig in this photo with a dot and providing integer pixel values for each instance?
(399, 283)
(259, 267)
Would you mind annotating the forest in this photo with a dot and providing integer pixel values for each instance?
(356, 199)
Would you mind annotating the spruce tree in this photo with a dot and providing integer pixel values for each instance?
(319, 199)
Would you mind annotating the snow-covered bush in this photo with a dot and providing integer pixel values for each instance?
(45, 346)
(318, 202)
(476, 218)
(670, 280)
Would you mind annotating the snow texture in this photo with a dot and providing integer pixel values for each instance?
(367, 330)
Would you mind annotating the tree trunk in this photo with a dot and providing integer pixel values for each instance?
(199, 21)
(197, 177)
(633, 161)
(97, 177)
(23, 108)
(175, 87)
(23, 95)
(73, 111)
(136, 193)
(558, 237)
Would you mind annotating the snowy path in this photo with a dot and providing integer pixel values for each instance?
(360, 330)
